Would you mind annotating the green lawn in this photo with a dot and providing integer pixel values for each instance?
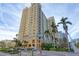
(58, 49)
(9, 50)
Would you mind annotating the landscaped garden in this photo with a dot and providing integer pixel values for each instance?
(49, 47)
(9, 50)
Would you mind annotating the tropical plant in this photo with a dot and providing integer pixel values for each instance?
(46, 46)
(54, 30)
(64, 22)
(52, 33)
(24, 43)
(17, 46)
(18, 43)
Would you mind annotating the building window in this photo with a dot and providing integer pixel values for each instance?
(33, 45)
(33, 41)
(39, 30)
(39, 37)
(33, 32)
(29, 45)
(38, 41)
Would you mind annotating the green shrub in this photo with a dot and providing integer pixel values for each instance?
(52, 49)
(46, 46)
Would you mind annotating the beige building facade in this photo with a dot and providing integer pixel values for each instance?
(33, 25)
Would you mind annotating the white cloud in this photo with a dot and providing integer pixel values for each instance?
(10, 25)
(9, 31)
(73, 34)
(5, 34)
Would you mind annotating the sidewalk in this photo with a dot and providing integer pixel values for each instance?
(4, 54)
(44, 53)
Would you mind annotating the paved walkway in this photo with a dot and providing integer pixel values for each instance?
(55, 53)
(44, 53)
(51, 53)
(4, 54)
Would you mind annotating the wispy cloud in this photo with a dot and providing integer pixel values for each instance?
(6, 34)
(10, 16)
(64, 10)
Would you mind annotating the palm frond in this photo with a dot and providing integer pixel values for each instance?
(57, 25)
(47, 31)
(64, 19)
(60, 23)
(69, 22)
(54, 30)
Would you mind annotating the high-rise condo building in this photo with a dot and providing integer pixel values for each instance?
(32, 27)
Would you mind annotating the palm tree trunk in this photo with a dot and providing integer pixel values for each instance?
(47, 38)
(54, 40)
(50, 39)
(72, 45)
(67, 40)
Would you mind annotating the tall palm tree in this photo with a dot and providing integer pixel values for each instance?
(18, 43)
(64, 22)
(54, 30)
(52, 34)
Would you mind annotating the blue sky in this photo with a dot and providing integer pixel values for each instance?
(10, 16)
